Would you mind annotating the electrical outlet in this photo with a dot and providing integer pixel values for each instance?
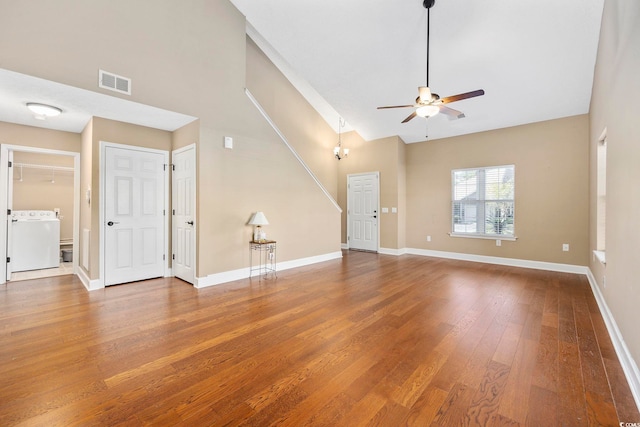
(428, 238)
(498, 242)
(565, 247)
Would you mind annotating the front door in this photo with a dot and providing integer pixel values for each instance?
(362, 211)
(134, 201)
(183, 202)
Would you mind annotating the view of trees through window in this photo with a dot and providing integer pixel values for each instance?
(483, 201)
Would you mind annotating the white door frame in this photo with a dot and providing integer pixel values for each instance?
(195, 212)
(377, 174)
(4, 175)
(102, 201)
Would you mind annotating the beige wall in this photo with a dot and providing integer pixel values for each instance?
(198, 68)
(86, 201)
(306, 131)
(552, 190)
(614, 106)
(387, 157)
(29, 136)
(186, 135)
(118, 133)
(33, 189)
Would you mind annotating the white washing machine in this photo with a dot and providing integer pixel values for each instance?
(35, 240)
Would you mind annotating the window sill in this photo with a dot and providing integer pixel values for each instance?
(601, 256)
(484, 236)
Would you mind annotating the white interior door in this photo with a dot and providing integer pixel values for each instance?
(134, 201)
(9, 213)
(183, 202)
(362, 211)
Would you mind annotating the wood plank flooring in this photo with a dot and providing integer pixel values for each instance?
(366, 340)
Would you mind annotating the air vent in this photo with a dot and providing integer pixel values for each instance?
(107, 80)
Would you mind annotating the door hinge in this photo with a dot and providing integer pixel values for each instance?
(164, 212)
(8, 259)
(10, 163)
(348, 238)
(164, 257)
(174, 211)
(173, 256)
(8, 211)
(173, 167)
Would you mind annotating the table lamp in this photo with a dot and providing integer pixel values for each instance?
(258, 220)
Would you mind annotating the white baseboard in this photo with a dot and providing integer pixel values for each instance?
(243, 273)
(513, 262)
(344, 246)
(91, 285)
(629, 365)
(389, 251)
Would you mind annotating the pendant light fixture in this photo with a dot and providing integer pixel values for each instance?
(338, 151)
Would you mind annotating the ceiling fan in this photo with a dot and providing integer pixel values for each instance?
(429, 104)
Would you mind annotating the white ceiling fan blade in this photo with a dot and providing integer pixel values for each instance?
(451, 113)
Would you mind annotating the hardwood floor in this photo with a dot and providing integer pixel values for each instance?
(366, 340)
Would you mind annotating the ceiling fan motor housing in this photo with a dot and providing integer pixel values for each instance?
(428, 4)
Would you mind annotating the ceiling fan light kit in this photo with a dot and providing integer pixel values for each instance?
(427, 111)
(428, 104)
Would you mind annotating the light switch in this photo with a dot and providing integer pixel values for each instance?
(394, 210)
(385, 210)
(228, 142)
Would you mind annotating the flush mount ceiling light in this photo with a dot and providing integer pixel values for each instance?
(42, 111)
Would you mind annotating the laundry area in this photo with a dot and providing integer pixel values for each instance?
(41, 227)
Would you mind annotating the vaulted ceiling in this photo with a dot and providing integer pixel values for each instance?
(535, 60)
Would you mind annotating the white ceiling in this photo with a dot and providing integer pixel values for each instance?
(78, 105)
(535, 60)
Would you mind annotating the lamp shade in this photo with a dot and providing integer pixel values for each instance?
(258, 219)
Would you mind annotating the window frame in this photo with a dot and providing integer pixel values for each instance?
(481, 202)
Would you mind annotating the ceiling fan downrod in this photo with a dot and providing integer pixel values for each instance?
(428, 4)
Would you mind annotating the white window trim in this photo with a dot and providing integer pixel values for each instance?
(507, 237)
(485, 236)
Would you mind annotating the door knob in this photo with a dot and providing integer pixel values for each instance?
(375, 216)
(110, 223)
(190, 222)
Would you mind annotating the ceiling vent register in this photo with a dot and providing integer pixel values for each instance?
(110, 81)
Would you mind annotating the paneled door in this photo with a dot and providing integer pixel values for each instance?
(10, 179)
(134, 230)
(183, 200)
(362, 211)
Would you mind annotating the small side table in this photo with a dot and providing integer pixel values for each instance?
(266, 250)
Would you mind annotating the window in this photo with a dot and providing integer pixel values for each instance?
(483, 202)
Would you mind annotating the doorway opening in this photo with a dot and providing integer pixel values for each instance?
(40, 188)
